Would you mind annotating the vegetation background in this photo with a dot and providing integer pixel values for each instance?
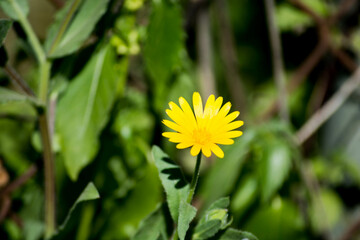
(289, 67)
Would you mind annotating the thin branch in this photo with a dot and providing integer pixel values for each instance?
(49, 170)
(5, 207)
(343, 8)
(18, 117)
(229, 57)
(277, 60)
(329, 108)
(299, 4)
(351, 230)
(18, 80)
(344, 59)
(57, 3)
(204, 46)
(19, 181)
(318, 94)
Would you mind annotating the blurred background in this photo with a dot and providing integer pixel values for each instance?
(289, 67)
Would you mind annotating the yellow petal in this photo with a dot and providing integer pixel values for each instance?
(209, 107)
(175, 137)
(187, 112)
(224, 141)
(231, 134)
(217, 150)
(172, 125)
(183, 145)
(198, 107)
(195, 150)
(228, 127)
(217, 104)
(232, 116)
(206, 150)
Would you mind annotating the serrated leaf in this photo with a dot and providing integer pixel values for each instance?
(220, 203)
(213, 220)
(187, 212)
(77, 31)
(172, 179)
(5, 25)
(15, 8)
(89, 193)
(207, 229)
(84, 110)
(163, 44)
(234, 234)
(274, 167)
(153, 226)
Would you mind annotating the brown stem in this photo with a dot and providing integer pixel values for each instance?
(15, 77)
(351, 230)
(19, 181)
(343, 8)
(344, 59)
(329, 108)
(204, 46)
(277, 60)
(229, 57)
(57, 3)
(5, 207)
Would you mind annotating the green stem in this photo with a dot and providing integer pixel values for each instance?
(44, 81)
(49, 177)
(40, 55)
(44, 66)
(195, 178)
(74, 6)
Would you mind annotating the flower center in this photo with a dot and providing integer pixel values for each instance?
(201, 136)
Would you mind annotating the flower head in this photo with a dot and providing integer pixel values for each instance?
(202, 129)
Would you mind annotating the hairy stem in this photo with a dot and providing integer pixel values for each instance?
(195, 178)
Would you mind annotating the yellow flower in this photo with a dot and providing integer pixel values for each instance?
(206, 129)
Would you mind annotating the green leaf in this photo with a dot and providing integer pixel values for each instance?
(66, 37)
(153, 226)
(290, 18)
(213, 220)
(4, 28)
(84, 110)
(325, 211)
(207, 229)
(274, 167)
(135, 205)
(89, 193)
(186, 214)
(15, 8)
(280, 220)
(234, 234)
(172, 179)
(244, 195)
(7, 95)
(162, 46)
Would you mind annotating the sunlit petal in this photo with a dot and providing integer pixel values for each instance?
(202, 128)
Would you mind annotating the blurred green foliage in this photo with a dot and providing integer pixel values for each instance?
(116, 65)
